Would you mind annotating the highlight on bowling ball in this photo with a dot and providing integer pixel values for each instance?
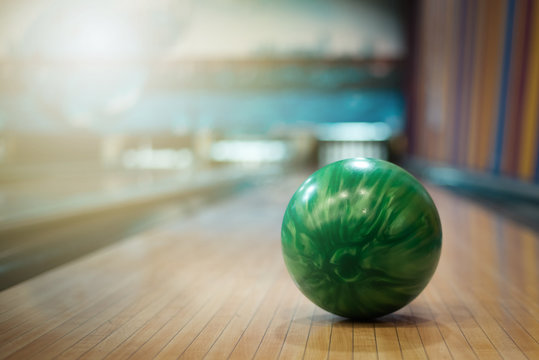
(361, 238)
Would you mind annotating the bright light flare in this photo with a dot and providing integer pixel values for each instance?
(93, 35)
(148, 158)
(99, 38)
(255, 151)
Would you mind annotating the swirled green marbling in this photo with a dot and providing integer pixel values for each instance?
(361, 238)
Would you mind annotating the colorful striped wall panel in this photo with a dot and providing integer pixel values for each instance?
(476, 91)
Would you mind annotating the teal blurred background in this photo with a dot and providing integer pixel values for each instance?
(116, 115)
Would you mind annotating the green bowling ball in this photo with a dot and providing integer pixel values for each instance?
(361, 238)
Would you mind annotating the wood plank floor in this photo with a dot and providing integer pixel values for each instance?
(213, 285)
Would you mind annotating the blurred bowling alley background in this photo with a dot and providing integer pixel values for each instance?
(118, 115)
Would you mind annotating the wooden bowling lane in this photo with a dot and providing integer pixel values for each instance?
(213, 285)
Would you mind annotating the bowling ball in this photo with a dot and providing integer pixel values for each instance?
(361, 238)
